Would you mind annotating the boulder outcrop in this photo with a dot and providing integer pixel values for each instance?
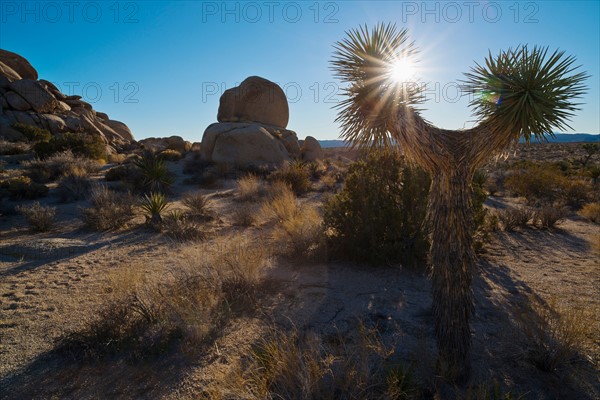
(26, 100)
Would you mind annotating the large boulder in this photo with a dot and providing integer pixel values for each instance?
(18, 64)
(311, 149)
(16, 102)
(255, 100)
(120, 128)
(166, 143)
(242, 144)
(40, 98)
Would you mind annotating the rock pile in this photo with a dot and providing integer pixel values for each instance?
(252, 128)
(27, 100)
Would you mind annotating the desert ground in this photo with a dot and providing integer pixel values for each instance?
(535, 325)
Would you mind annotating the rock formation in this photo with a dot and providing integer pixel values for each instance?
(251, 129)
(167, 143)
(25, 99)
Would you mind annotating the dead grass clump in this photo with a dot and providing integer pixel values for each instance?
(39, 218)
(74, 186)
(591, 211)
(10, 148)
(301, 236)
(197, 204)
(109, 210)
(555, 335)
(59, 164)
(149, 314)
(245, 215)
(282, 203)
(512, 218)
(547, 216)
(288, 365)
(250, 188)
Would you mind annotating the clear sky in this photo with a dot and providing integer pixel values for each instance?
(160, 67)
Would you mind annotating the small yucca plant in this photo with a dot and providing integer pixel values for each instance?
(154, 204)
(155, 173)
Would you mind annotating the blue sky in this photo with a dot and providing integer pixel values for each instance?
(160, 67)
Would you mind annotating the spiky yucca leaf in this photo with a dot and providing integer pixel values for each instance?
(364, 60)
(527, 92)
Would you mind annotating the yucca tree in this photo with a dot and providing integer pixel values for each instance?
(519, 93)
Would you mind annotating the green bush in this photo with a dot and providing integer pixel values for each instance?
(33, 133)
(378, 216)
(81, 144)
(23, 188)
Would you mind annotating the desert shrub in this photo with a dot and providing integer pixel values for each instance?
(39, 218)
(537, 183)
(32, 133)
(81, 144)
(116, 158)
(301, 236)
(59, 164)
(109, 210)
(316, 170)
(554, 335)
(170, 155)
(296, 175)
(378, 216)
(591, 211)
(250, 188)
(155, 175)
(575, 193)
(197, 204)
(547, 216)
(74, 186)
(590, 149)
(512, 218)
(178, 226)
(23, 188)
(10, 148)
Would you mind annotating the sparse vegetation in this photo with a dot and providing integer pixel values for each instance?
(512, 218)
(378, 216)
(178, 226)
(547, 216)
(10, 148)
(301, 236)
(170, 155)
(74, 186)
(591, 211)
(32, 133)
(81, 144)
(39, 218)
(58, 165)
(23, 188)
(296, 175)
(197, 204)
(109, 210)
(250, 188)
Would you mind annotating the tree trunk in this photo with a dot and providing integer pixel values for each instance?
(450, 217)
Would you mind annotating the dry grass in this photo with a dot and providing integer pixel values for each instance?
(74, 186)
(178, 226)
(591, 211)
(282, 203)
(197, 204)
(250, 188)
(39, 218)
(245, 215)
(556, 335)
(290, 365)
(147, 315)
(301, 236)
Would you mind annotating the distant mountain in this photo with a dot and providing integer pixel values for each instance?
(558, 138)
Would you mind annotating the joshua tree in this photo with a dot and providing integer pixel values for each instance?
(520, 93)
